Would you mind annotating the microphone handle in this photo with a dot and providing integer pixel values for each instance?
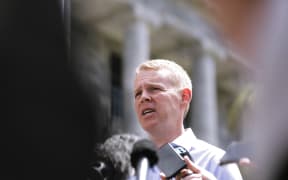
(142, 169)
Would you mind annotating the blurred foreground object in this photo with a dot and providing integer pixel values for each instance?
(144, 157)
(112, 158)
(258, 31)
(46, 117)
(238, 152)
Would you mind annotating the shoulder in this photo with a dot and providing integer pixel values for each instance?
(208, 156)
(207, 149)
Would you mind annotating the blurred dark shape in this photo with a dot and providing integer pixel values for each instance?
(46, 118)
(112, 158)
(144, 148)
(143, 158)
(237, 151)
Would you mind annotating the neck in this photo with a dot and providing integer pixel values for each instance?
(162, 139)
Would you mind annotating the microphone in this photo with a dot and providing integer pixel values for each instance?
(143, 156)
(182, 151)
(170, 159)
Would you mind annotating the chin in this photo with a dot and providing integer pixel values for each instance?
(150, 127)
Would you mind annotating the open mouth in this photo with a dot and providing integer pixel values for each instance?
(147, 111)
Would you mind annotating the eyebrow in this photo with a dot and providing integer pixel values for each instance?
(150, 84)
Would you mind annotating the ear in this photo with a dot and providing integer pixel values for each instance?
(186, 95)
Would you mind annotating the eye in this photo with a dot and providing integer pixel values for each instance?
(137, 94)
(156, 89)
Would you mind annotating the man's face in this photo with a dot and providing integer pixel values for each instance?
(157, 102)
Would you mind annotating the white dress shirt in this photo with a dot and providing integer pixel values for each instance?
(208, 156)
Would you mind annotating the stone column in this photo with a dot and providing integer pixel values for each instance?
(136, 51)
(204, 101)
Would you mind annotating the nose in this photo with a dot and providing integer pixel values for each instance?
(145, 97)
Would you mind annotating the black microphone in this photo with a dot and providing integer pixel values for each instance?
(182, 151)
(143, 156)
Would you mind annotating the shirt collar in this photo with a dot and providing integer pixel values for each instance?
(186, 140)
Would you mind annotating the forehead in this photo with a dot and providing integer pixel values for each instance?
(153, 76)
